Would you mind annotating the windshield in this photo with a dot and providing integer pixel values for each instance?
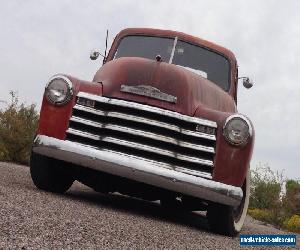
(145, 46)
(199, 60)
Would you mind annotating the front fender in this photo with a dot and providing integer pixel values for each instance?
(54, 120)
(231, 163)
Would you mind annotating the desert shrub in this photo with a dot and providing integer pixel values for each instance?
(292, 224)
(291, 200)
(265, 187)
(18, 124)
(269, 204)
(292, 185)
(3, 152)
(271, 216)
(261, 214)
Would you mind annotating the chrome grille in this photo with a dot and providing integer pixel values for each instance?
(138, 130)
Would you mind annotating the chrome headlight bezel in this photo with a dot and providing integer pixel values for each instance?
(67, 96)
(247, 124)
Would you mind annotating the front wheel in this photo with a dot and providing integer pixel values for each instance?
(229, 220)
(48, 175)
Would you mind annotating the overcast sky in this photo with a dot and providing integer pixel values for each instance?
(42, 38)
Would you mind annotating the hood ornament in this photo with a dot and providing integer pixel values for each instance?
(149, 91)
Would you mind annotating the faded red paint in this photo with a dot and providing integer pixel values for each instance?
(197, 96)
(190, 89)
(231, 162)
(54, 120)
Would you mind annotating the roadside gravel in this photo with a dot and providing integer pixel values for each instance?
(84, 219)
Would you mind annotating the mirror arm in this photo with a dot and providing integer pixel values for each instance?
(102, 55)
(243, 77)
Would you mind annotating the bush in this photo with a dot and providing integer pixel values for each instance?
(18, 124)
(291, 201)
(269, 204)
(265, 187)
(292, 224)
(291, 186)
(271, 216)
(261, 214)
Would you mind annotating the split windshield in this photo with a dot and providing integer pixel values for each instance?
(199, 60)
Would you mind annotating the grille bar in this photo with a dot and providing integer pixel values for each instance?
(161, 164)
(140, 146)
(142, 133)
(137, 130)
(147, 108)
(144, 121)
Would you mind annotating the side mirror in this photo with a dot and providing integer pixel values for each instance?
(94, 54)
(247, 82)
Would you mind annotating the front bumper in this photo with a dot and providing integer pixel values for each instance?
(138, 169)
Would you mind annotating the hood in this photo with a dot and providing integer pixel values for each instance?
(163, 80)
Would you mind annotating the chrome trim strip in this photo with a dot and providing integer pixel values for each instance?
(142, 133)
(145, 121)
(193, 172)
(152, 109)
(138, 169)
(143, 147)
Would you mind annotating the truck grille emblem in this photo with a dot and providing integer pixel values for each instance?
(149, 91)
(205, 129)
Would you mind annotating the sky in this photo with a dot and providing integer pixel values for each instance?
(41, 38)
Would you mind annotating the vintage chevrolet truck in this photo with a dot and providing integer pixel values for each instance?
(159, 121)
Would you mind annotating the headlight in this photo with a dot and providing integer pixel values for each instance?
(59, 90)
(237, 130)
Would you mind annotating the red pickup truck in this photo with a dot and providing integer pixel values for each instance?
(159, 121)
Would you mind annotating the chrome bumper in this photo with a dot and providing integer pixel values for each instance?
(137, 169)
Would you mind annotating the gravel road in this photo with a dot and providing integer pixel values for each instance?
(84, 219)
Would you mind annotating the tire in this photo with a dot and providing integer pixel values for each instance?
(47, 175)
(229, 220)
